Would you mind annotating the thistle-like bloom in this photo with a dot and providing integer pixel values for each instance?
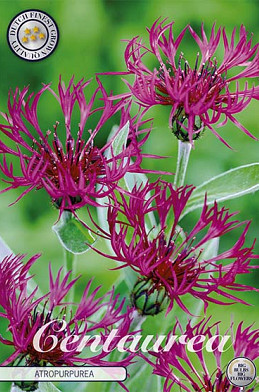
(199, 94)
(195, 373)
(169, 261)
(26, 314)
(66, 163)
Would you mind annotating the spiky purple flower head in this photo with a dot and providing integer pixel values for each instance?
(195, 372)
(26, 313)
(169, 261)
(200, 94)
(67, 162)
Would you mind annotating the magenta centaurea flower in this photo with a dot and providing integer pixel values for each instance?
(199, 95)
(194, 372)
(26, 314)
(169, 261)
(74, 172)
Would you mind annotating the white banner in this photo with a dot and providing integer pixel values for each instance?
(64, 373)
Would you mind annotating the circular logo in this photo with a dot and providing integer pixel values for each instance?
(32, 35)
(241, 372)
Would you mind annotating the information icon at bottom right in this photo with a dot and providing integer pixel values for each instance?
(241, 372)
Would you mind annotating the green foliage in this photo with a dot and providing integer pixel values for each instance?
(47, 387)
(229, 185)
(119, 139)
(72, 234)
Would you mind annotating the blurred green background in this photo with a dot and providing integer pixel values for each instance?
(91, 34)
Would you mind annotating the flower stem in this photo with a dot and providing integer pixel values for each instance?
(68, 260)
(70, 265)
(184, 149)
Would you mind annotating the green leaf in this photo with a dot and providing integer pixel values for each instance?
(229, 185)
(66, 386)
(72, 234)
(48, 387)
(132, 179)
(120, 140)
(102, 215)
(211, 249)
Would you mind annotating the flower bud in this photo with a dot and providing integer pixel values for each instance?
(149, 299)
(180, 126)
